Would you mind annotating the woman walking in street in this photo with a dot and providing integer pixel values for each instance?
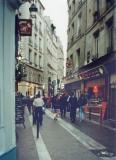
(38, 104)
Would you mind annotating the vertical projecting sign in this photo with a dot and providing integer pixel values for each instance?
(25, 27)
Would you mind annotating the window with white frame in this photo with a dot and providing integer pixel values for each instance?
(35, 59)
(109, 24)
(96, 38)
(79, 24)
(78, 57)
(39, 61)
(88, 57)
(40, 45)
(30, 56)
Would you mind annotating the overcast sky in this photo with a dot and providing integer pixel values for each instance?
(57, 10)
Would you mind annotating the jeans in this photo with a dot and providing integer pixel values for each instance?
(39, 115)
(81, 113)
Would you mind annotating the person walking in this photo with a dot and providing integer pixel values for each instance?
(38, 104)
(73, 107)
(81, 103)
(29, 103)
(63, 105)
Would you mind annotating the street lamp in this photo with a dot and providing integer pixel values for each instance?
(19, 57)
(33, 9)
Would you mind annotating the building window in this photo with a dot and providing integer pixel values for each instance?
(79, 24)
(96, 13)
(71, 60)
(78, 57)
(30, 54)
(88, 57)
(73, 7)
(40, 28)
(109, 24)
(109, 3)
(40, 48)
(40, 9)
(96, 37)
(73, 2)
(73, 28)
(40, 61)
(96, 45)
(35, 59)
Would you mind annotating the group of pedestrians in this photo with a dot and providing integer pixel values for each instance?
(69, 103)
(35, 107)
(60, 105)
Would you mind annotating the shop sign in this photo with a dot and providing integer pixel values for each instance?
(92, 73)
(25, 27)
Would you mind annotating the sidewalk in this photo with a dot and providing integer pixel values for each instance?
(100, 133)
(26, 148)
(61, 144)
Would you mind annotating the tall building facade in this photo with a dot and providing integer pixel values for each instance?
(31, 49)
(50, 58)
(42, 54)
(91, 57)
(60, 66)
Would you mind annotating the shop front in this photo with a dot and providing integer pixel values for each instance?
(75, 87)
(112, 110)
(95, 87)
(99, 80)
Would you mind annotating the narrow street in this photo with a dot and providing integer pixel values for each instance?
(60, 140)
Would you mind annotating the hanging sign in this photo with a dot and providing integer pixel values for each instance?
(25, 27)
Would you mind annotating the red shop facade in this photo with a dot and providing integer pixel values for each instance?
(99, 83)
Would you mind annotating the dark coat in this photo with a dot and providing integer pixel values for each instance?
(63, 101)
(56, 103)
(73, 102)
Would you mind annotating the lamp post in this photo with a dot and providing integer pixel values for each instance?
(33, 9)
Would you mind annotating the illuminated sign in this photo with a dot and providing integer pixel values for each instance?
(92, 73)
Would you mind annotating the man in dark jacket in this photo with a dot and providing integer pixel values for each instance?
(63, 105)
(73, 107)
